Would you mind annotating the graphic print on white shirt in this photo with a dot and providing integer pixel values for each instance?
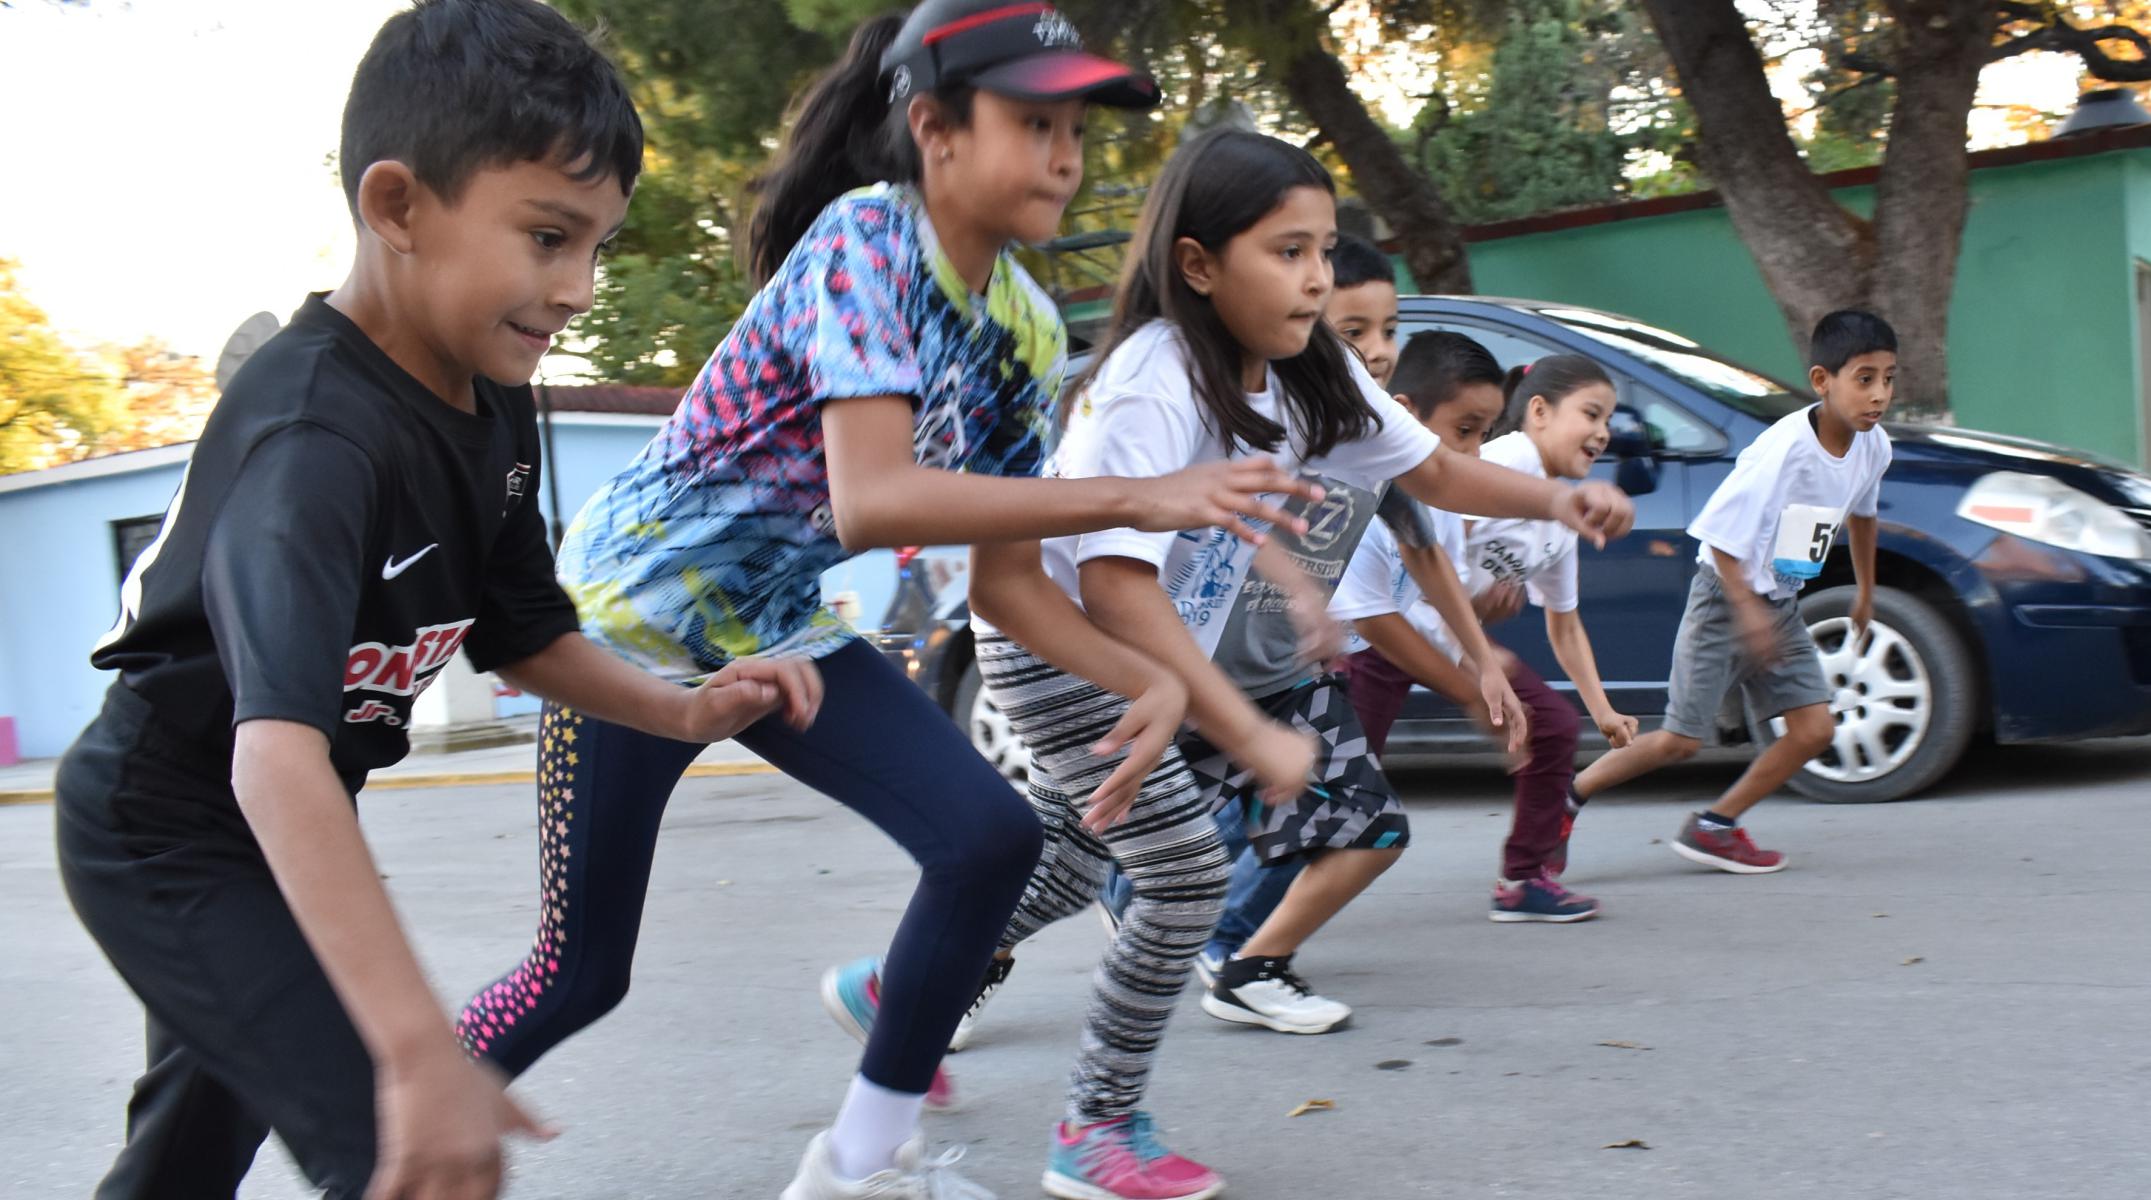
(1140, 418)
(1376, 584)
(1540, 554)
(1780, 510)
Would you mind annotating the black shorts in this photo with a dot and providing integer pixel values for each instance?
(245, 1034)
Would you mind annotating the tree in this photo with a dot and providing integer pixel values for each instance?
(1545, 131)
(167, 397)
(55, 404)
(1921, 59)
(711, 81)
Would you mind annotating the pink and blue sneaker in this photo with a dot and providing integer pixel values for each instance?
(1540, 899)
(1122, 1159)
(852, 994)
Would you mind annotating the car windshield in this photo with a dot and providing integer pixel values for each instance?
(1759, 396)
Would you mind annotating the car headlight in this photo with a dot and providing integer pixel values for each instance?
(2043, 509)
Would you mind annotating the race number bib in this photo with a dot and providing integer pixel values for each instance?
(1805, 533)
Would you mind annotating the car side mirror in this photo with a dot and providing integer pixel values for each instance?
(1630, 443)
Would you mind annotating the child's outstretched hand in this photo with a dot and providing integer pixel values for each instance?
(1152, 721)
(1503, 713)
(1498, 603)
(1226, 494)
(747, 690)
(1595, 509)
(442, 1119)
(1281, 758)
(1619, 729)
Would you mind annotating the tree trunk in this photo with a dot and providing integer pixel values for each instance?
(1924, 190)
(1427, 231)
(1814, 255)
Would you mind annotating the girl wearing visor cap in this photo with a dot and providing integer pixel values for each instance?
(893, 382)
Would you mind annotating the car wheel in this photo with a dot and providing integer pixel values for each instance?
(989, 727)
(1904, 699)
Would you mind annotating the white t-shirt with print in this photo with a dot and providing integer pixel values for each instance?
(1540, 554)
(1780, 509)
(1140, 418)
(1376, 584)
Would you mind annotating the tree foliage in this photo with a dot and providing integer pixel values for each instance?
(58, 405)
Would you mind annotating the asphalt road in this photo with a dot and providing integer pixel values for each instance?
(1941, 998)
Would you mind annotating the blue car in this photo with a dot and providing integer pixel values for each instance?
(2013, 598)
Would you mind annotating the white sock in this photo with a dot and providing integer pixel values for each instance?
(872, 1124)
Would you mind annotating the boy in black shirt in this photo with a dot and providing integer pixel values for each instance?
(357, 510)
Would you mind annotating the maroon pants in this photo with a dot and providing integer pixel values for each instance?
(1378, 689)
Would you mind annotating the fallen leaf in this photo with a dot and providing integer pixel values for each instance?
(1915, 959)
(1630, 1144)
(1313, 1106)
(1446, 1042)
(1658, 841)
(1393, 1064)
(1625, 1045)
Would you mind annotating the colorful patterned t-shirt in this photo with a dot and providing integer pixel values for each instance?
(711, 544)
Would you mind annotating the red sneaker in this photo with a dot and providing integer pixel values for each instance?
(1725, 849)
(1557, 861)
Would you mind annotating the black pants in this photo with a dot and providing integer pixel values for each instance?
(880, 747)
(244, 1033)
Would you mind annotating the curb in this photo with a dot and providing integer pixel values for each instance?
(446, 779)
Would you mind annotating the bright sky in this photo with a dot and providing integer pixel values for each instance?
(166, 160)
(164, 163)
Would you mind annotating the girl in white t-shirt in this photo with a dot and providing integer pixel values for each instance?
(1556, 426)
(1217, 351)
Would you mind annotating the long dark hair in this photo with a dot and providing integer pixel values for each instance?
(1212, 190)
(1556, 377)
(844, 134)
(1438, 364)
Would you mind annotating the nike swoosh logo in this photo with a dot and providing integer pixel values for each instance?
(392, 568)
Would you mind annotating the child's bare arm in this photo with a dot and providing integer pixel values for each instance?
(1421, 659)
(1010, 589)
(881, 496)
(1863, 533)
(1572, 649)
(575, 672)
(1754, 618)
(441, 1116)
(1463, 483)
(1435, 573)
(1122, 595)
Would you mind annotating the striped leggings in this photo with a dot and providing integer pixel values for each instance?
(1167, 845)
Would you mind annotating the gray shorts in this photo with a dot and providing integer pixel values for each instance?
(1709, 661)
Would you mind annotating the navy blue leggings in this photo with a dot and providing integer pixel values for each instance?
(882, 749)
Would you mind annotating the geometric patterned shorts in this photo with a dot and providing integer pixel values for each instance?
(1351, 805)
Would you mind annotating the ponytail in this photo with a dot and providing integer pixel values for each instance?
(844, 134)
(1556, 377)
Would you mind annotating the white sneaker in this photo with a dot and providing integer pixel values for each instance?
(1266, 992)
(914, 1177)
(996, 975)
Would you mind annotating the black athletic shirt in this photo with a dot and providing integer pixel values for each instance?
(339, 534)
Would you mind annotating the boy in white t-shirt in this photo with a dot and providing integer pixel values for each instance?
(1765, 533)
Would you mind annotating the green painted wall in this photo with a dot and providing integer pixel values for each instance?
(2043, 328)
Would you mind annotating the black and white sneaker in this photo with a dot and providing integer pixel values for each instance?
(1266, 992)
(996, 975)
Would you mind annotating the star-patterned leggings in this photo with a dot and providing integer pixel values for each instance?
(883, 749)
